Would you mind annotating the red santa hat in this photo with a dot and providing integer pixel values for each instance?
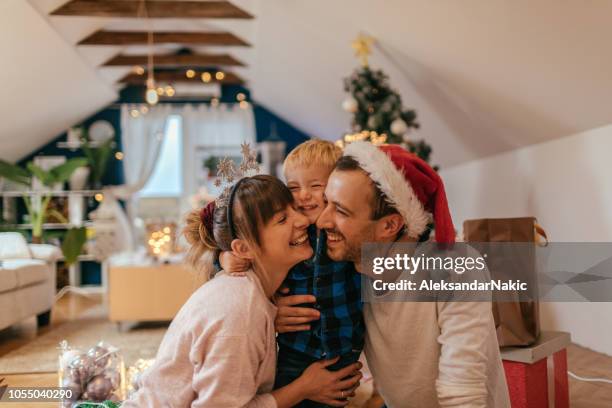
(411, 186)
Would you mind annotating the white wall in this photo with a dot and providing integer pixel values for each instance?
(46, 85)
(567, 185)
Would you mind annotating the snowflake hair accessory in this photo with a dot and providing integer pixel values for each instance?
(229, 174)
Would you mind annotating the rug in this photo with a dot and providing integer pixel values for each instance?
(40, 355)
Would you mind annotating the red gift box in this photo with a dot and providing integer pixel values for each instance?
(537, 375)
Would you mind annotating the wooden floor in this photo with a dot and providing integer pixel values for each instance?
(581, 361)
(67, 308)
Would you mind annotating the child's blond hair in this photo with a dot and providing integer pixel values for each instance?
(317, 152)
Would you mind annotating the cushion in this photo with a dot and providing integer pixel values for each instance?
(27, 271)
(45, 252)
(13, 246)
(8, 279)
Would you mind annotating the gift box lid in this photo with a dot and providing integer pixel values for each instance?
(548, 344)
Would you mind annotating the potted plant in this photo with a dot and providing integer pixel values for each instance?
(37, 204)
(211, 164)
(97, 156)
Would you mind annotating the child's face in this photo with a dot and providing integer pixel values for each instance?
(307, 184)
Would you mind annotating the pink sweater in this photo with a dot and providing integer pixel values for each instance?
(219, 351)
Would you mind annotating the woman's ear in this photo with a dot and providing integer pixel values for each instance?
(242, 249)
(389, 226)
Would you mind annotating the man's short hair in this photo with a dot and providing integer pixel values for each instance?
(380, 202)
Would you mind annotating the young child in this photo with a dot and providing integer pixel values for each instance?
(336, 285)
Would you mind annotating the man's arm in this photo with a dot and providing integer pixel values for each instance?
(465, 329)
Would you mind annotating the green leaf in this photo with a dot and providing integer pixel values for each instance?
(40, 174)
(73, 244)
(62, 173)
(97, 158)
(15, 173)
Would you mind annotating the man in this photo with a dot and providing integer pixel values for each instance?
(422, 354)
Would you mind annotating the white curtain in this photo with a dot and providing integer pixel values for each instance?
(141, 138)
(211, 127)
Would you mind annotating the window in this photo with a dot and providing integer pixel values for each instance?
(166, 180)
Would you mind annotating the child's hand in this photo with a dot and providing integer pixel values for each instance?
(291, 318)
(330, 387)
(232, 264)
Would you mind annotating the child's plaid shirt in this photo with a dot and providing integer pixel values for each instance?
(337, 287)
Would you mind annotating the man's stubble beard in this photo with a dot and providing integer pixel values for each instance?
(353, 248)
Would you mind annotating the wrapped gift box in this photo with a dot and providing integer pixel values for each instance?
(537, 375)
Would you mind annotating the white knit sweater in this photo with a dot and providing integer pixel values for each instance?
(219, 351)
(435, 354)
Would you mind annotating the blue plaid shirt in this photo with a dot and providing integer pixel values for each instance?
(337, 287)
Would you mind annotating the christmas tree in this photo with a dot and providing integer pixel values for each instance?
(378, 114)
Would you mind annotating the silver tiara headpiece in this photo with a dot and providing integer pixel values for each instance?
(228, 174)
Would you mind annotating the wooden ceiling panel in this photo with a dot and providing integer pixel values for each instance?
(221, 38)
(178, 76)
(181, 60)
(154, 9)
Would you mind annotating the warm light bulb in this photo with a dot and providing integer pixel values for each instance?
(240, 97)
(151, 96)
(160, 91)
(119, 155)
(220, 75)
(134, 113)
(190, 73)
(169, 91)
(99, 197)
(206, 77)
(138, 70)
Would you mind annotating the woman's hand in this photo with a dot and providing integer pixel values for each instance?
(290, 318)
(232, 264)
(329, 387)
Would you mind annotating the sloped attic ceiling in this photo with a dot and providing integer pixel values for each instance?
(484, 76)
(46, 86)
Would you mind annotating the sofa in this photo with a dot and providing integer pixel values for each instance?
(27, 279)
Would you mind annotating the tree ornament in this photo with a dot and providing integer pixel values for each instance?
(372, 122)
(99, 388)
(350, 105)
(399, 127)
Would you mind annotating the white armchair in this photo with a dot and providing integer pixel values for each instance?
(27, 279)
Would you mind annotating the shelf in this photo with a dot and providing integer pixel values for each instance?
(83, 258)
(47, 226)
(78, 144)
(61, 193)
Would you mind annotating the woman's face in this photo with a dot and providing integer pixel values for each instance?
(284, 242)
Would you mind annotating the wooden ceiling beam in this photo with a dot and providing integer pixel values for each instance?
(179, 76)
(154, 9)
(221, 38)
(180, 60)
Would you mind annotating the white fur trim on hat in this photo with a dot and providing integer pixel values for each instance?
(393, 183)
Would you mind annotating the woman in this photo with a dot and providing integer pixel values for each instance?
(220, 350)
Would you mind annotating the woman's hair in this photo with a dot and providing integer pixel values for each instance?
(255, 202)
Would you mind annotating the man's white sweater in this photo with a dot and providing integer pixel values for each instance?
(435, 354)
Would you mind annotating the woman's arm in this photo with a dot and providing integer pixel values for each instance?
(227, 374)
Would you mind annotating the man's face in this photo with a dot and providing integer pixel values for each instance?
(347, 216)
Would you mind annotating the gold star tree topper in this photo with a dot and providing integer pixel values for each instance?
(363, 48)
